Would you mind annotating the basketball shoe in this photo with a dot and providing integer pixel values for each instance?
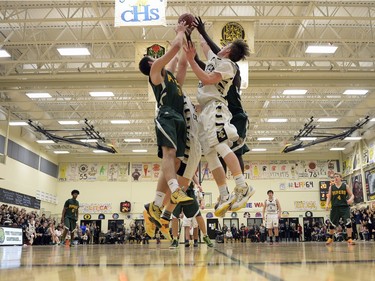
(243, 195)
(150, 227)
(180, 197)
(351, 242)
(207, 240)
(223, 205)
(174, 244)
(329, 241)
(154, 212)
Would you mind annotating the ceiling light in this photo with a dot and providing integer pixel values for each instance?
(73, 51)
(45, 141)
(265, 139)
(38, 95)
(88, 140)
(307, 138)
(258, 149)
(101, 94)
(321, 49)
(61, 152)
(4, 54)
(355, 92)
(327, 119)
(139, 150)
(294, 92)
(68, 122)
(337, 148)
(372, 120)
(277, 120)
(300, 149)
(132, 140)
(120, 121)
(18, 123)
(353, 138)
(99, 151)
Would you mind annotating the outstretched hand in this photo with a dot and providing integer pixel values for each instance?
(190, 51)
(181, 27)
(199, 25)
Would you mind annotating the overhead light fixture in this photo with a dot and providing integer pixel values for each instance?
(68, 122)
(139, 150)
(4, 54)
(307, 138)
(300, 149)
(277, 120)
(355, 92)
(337, 148)
(321, 49)
(61, 152)
(132, 140)
(45, 141)
(120, 121)
(73, 51)
(324, 119)
(38, 95)
(101, 94)
(88, 140)
(18, 123)
(258, 149)
(265, 139)
(372, 120)
(353, 138)
(294, 92)
(100, 151)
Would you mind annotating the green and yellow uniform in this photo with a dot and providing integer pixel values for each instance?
(71, 213)
(170, 124)
(340, 207)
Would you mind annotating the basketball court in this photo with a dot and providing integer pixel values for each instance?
(237, 261)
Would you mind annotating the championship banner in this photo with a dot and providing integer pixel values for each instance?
(370, 184)
(140, 12)
(357, 188)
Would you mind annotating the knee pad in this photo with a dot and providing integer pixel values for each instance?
(213, 160)
(223, 149)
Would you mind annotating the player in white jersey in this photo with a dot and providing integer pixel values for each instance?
(272, 209)
(219, 133)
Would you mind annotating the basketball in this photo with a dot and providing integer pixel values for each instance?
(188, 18)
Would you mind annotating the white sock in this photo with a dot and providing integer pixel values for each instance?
(159, 198)
(240, 180)
(223, 190)
(173, 185)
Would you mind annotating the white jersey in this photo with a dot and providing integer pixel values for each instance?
(191, 118)
(271, 206)
(217, 91)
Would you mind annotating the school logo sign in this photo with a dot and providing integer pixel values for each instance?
(140, 12)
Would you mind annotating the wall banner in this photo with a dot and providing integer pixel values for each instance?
(140, 13)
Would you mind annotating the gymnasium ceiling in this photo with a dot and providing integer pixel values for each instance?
(31, 32)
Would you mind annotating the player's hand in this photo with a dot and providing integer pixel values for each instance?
(190, 52)
(181, 27)
(199, 25)
(327, 208)
(350, 201)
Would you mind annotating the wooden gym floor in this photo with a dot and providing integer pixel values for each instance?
(237, 261)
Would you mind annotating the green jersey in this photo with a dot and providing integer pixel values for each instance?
(169, 93)
(338, 195)
(71, 211)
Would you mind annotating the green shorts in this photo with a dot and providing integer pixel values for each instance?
(170, 129)
(70, 223)
(339, 212)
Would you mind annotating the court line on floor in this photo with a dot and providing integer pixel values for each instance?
(251, 267)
